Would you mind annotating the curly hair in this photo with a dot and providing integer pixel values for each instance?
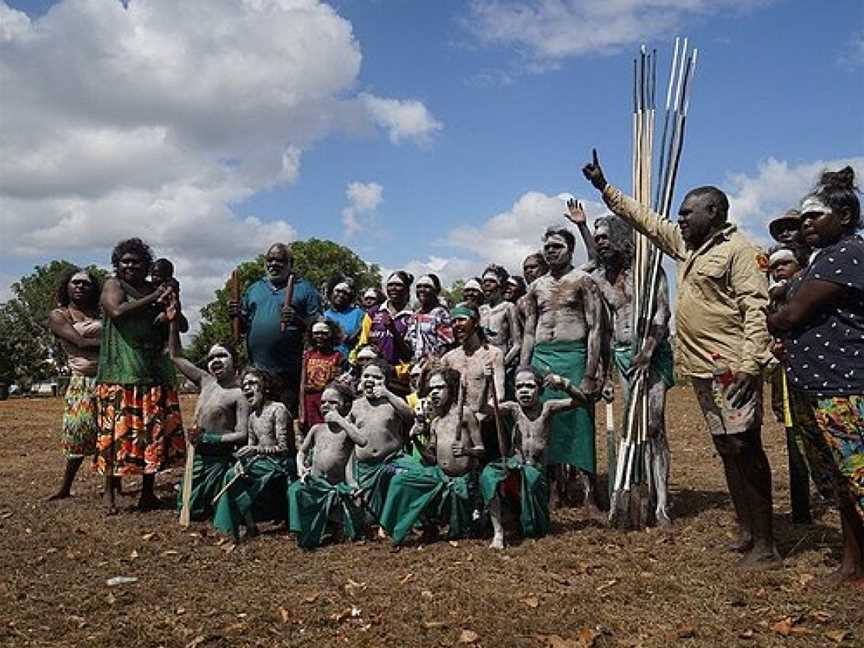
(452, 378)
(134, 246)
(345, 391)
(61, 294)
(498, 271)
(385, 367)
(228, 347)
(564, 233)
(336, 333)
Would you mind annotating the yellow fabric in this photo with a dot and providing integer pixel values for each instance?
(722, 293)
(363, 340)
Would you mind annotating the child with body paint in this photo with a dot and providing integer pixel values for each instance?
(322, 363)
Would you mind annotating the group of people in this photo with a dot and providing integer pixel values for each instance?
(360, 410)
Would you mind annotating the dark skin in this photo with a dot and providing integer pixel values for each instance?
(745, 464)
(279, 263)
(821, 229)
(427, 296)
(132, 269)
(80, 290)
(700, 219)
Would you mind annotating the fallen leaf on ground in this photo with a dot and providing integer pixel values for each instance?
(747, 634)
(805, 579)
(784, 626)
(607, 584)
(686, 632)
(426, 594)
(6, 515)
(557, 641)
(284, 615)
(311, 598)
(338, 617)
(197, 641)
(228, 548)
(148, 536)
(587, 637)
(133, 555)
(820, 615)
(468, 636)
(453, 543)
(170, 552)
(407, 577)
(838, 636)
(531, 601)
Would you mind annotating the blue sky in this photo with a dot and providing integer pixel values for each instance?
(470, 118)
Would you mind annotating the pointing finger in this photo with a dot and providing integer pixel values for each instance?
(596, 161)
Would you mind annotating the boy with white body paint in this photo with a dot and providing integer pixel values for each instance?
(259, 494)
(323, 494)
(499, 317)
(381, 419)
(522, 476)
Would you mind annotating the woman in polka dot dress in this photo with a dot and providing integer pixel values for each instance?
(822, 327)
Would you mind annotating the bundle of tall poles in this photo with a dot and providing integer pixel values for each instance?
(631, 476)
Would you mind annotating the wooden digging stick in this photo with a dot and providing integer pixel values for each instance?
(498, 429)
(186, 495)
(462, 395)
(289, 296)
(611, 449)
(235, 297)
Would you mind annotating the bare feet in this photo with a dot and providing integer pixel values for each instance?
(59, 495)
(663, 521)
(743, 543)
(497, 542)
(758, 559)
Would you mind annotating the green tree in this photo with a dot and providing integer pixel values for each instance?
(27, 341)
(453, 294)
(314, 260)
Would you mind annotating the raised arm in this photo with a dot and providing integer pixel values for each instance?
(555, 405)
(403, 410)
(347, 426)
(576, 215)
(63, 329)
(113, 299)
(664, 233)
(175, 350)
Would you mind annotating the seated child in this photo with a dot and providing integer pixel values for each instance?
(322, 496)
(445, 487)
(254, 489)
(521, 478)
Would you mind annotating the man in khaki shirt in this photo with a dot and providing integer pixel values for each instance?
(722, 306)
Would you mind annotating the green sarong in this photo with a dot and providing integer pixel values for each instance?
(572, 441)
(374, 479)
(257, 497)
(532, 494)
(428, 492)
(661, 361)
(212, 461)
(315, 501)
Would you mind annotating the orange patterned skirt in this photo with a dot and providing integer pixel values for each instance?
(140, 428)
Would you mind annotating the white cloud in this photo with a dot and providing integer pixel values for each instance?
(547, 31)
(853, 55)
(364, 199)
(505, 238)
(156, 120)
(403, 119)
(755, 200)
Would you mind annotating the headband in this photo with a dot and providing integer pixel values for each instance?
(425, 280)
(511, 281)
(366, 352)
(320, 326)
(472, 284)
(370, 292)
(461, 310)
(812, 204)
(342, 286)
(783, 254)
(492, 276)
(395, 279)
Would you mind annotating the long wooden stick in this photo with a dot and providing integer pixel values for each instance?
(498, 428)
(186, 495)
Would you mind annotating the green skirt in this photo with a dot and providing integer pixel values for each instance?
(314, 502)
(661, 361)
(531, 493)
(572, 441)
(428, 492)
(257, 497)
(209, 467)
(374, 479)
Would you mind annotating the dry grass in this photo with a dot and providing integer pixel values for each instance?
(581, 586)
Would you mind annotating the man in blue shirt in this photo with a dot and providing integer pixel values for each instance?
(262, 313)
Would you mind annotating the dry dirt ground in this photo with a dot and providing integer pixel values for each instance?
(581, 586)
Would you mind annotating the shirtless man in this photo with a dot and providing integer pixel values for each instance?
(563, 332)
(533, 267)
(445, 488)
(470, 359)
(533, 430)
(221, 415)
(382, 419)
(611, 271)
(498, 317)
(264, 462)
(472, 292)
(323, 495)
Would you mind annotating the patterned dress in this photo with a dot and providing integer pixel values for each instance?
(80, 427)
(140, 428)
(319, 370)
